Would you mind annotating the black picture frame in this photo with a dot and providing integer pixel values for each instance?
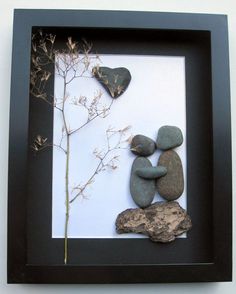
(206, 255)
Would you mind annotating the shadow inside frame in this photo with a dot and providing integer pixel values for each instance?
(197, 247)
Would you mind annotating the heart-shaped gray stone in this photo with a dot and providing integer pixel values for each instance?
(114, 80)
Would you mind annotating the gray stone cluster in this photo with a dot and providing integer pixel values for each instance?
(167, 177)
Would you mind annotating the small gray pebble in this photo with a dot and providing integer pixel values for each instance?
(142, 145)
(151, 172)
(169, 137)
(142, 190)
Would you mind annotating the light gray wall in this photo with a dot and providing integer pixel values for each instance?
(6, 21)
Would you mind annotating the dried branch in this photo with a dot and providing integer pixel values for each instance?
(40, 143)
(94, 109)
(72, 63)
(76, 59)
(103, 155)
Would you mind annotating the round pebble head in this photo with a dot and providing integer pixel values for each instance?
(142, 145)
(169, 137)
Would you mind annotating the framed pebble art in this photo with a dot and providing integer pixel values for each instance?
(120, 148)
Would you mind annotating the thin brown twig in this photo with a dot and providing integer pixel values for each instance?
(93, 118)
(101, 166)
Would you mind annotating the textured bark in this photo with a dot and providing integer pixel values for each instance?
(161, 222)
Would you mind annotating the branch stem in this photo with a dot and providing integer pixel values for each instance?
(67, 199)
(67, 202)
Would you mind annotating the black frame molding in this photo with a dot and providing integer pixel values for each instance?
(175, 28)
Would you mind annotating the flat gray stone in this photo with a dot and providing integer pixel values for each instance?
(161, 222)
(142, 145)
(153, 172)
(171, 186)
(169, 137)
(114, 80)
(142, 190)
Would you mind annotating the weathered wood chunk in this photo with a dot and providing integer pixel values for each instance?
(161, 222)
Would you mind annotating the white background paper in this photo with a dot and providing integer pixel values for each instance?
(155, 97)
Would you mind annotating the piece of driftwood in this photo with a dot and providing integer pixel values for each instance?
(161, 222)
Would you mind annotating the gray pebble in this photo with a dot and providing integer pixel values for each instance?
(171, 186)
(151, 172)
(142, 190)
(169, 137)
(142, 145)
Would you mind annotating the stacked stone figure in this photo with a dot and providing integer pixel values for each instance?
(167, 177)
(161, 221)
